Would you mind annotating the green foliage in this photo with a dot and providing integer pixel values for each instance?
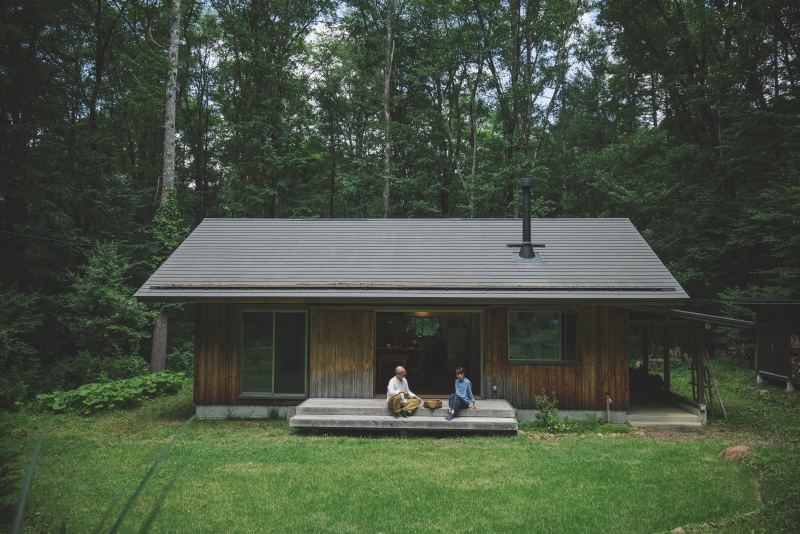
(106, 322)
(181, 359)
(167, 226)
(682, 117)
(546, 416)
(18, 320)
(9, 477)
(99, 397)
(591, 424)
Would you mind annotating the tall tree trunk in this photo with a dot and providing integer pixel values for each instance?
(332, 148)
(654, 98)
(452, 149)
(168, 181)
(387, 90)
(563, 167)
(158, 356)
(473, 132)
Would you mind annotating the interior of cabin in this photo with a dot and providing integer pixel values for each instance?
(431, 345)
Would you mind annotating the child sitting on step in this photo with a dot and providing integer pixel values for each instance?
(462, 398)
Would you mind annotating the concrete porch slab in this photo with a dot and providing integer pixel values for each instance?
(373, 414)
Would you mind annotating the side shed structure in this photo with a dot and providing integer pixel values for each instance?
(778, 330)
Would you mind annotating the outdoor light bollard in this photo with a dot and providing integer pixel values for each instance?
(608, 407)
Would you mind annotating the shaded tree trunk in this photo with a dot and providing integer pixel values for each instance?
(158, 356)
(387, 90)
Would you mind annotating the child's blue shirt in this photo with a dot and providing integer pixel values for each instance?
(464, 390)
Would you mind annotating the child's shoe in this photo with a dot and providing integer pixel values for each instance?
(449, 416)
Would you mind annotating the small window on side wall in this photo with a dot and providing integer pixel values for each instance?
(542, 337)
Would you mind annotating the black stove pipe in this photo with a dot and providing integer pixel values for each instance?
(526, 250)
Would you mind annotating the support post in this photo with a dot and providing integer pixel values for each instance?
(158, 356)
(646, 349)
(701, 371)
(666, 331)
(758, 376)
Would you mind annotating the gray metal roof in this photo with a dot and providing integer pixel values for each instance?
(328, 260)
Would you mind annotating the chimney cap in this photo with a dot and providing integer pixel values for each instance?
(526, 182)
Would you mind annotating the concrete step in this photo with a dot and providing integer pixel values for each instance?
(415, 422)
(377, 408)
(675, 418)
(672, 424)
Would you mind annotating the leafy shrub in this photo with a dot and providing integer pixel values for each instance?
(9, 476)
(18, 323)
(181, 359)
(592, 422)
(98, 397)
(124, 367)
(105, 321)
(547, 415)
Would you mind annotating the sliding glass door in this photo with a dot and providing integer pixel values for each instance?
(273, 353)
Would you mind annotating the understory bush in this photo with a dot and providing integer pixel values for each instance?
(9, 475)
(547, 419)
(181, 359)
(547, 415)
(99, 397)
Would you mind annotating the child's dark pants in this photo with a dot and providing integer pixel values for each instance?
(457, 403)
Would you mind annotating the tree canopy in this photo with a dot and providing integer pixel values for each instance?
(680, 115)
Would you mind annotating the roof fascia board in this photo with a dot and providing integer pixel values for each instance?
(377, 301)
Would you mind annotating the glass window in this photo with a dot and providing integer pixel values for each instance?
(542, 336)
(257, 341)
(273, 353)
(290, 353)
(422, 326)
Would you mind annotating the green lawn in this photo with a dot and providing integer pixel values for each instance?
(242, 476)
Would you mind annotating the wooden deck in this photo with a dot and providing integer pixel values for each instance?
(372, 414)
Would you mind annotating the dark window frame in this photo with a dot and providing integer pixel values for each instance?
(560, 311)
(273, 395)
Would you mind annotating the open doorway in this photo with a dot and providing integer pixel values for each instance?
(430, 344)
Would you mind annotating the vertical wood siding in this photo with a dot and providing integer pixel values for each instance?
(216, 354)
(342, 352)
(603, 364)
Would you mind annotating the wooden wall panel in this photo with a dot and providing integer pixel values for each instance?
(216, 358)
(603, 364)
(342, 352)
(216, 354)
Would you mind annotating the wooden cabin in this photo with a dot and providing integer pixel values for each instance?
(290, 309)
(778, 332)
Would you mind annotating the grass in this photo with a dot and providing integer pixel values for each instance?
(764, 414)
(251, 476)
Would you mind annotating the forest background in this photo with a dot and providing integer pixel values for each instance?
(681, 115)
